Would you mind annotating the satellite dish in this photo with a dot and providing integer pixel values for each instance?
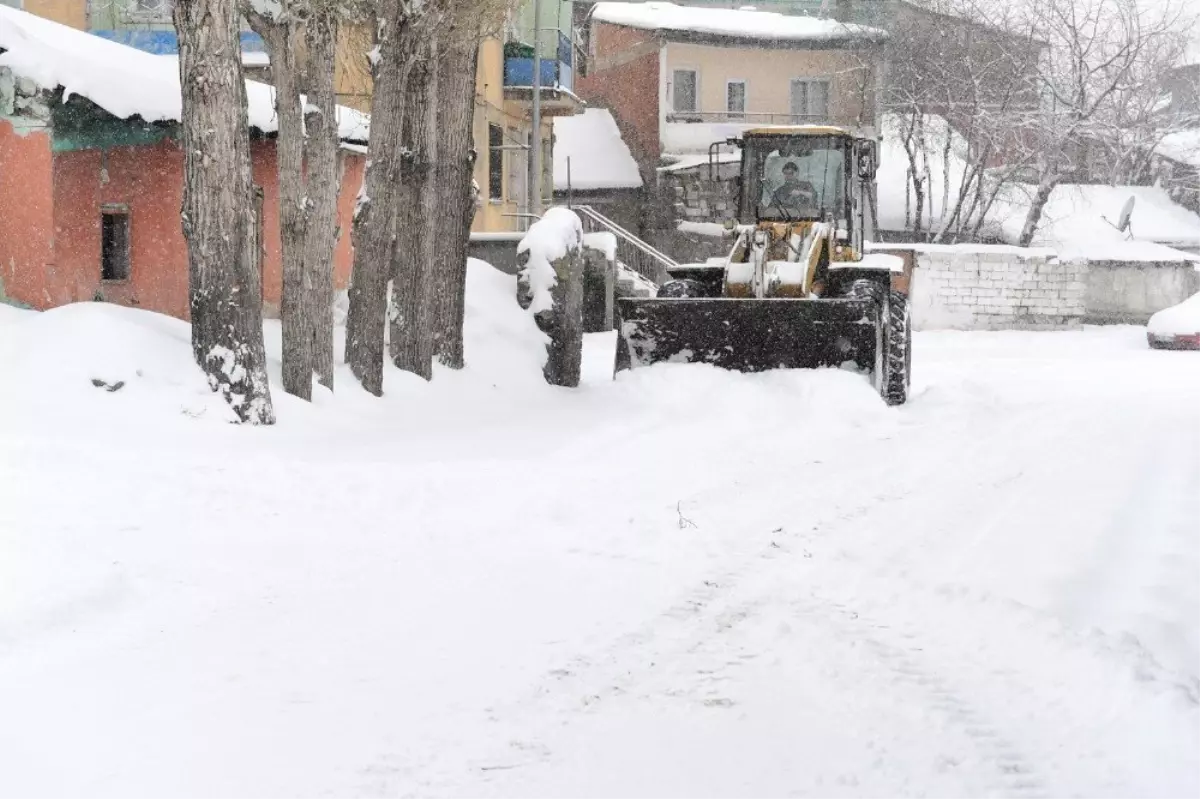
(1126, 212)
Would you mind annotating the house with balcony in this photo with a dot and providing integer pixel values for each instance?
(678, 78)
(504, 111)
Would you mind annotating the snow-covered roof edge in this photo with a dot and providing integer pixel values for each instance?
(743, 24)
(122, 80)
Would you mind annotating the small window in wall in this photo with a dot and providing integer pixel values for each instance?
(810, 100)
(114, 243)
(735, 98)
(495, 162)
(683, 92)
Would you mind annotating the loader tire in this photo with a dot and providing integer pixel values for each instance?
(682, 289)
(897, 366)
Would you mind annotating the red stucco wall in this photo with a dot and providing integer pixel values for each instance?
(26, 217)
(149, 180)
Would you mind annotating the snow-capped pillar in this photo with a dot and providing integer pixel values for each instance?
(550, 287)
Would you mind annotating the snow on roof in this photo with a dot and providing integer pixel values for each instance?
(600, 159)
(1074, 222)
(1182, 146)
(122, 80)
(743, 23)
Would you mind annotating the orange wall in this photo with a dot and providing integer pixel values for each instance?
(26, 217)
(72, 13)
(149, 180)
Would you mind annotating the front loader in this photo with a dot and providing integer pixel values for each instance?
(796, 290)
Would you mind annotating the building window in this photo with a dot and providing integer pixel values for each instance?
(151, 8)
(810, 100)
(495, 163)
(735, 98)
(114, 243)
(683, 91)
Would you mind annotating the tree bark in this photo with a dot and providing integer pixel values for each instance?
(453, 179)
(1045, 188)
(281, 38)
(411, 318)
(324, 186)
(224, 287)
(374, 228)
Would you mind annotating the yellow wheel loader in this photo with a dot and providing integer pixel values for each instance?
(796, 290)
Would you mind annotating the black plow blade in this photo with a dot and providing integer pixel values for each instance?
(748, 335)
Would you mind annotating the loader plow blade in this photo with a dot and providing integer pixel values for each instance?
(747, 335)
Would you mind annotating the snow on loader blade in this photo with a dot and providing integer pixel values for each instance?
(748, 335)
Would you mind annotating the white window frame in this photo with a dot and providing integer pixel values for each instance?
(810, 79)
(745, 98)
(695, 82)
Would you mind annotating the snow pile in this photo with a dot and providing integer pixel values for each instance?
(713, 230)
(1178, 320)
(602, 241)
(101, 363)
(124, 81)
(745, 23)
(558, 232)
(1182, 146)
(1079, 221)
(598, 156)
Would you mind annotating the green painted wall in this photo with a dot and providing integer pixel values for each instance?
(78, 125)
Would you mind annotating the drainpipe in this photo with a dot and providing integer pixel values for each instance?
(535, 155)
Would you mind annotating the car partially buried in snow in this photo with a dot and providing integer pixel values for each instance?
(1177, 327)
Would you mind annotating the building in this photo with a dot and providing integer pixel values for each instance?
(91, 173)
(504, 110)
(503, 118)
(677, 79)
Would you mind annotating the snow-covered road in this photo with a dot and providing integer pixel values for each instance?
(683, 583)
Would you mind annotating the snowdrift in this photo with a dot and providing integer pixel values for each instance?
(97, 363)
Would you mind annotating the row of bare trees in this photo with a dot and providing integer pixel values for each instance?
(1009, 99)
(414, 210)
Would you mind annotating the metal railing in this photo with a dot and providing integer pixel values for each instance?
(634, 253)
(749, 118)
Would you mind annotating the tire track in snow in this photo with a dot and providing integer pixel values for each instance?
(906, 663)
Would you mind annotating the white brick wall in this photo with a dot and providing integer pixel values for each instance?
(969, 287)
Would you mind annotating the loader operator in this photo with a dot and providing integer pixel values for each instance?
(795, 195)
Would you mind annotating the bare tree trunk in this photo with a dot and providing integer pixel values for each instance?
(281, 39)
(224, 287)
(453, 185)
(411, 318)
(1045, 188)
(375, 217)
(324, 185)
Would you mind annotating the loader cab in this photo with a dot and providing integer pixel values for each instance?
(794, 174)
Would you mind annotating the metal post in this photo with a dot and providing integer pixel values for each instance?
(535, 157)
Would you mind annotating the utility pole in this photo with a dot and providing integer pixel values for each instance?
(535, 139)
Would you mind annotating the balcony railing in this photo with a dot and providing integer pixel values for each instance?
(748, 118)
(558, 63)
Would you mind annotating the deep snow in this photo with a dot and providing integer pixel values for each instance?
(682, 582)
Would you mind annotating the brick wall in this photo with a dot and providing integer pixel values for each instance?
(970, 287)
(623, 77)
